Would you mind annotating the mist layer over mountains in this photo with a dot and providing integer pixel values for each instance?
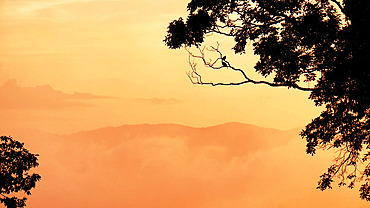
(169, 165)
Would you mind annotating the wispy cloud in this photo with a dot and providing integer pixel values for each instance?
(64, 10)
(40, 8)
(29, 6)
(13, 96)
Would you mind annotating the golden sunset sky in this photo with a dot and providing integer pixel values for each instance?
(76, 65)
(114, 51)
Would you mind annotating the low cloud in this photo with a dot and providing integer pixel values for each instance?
(157, 101)
(13, 96)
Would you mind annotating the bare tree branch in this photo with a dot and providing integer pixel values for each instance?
(196, 78)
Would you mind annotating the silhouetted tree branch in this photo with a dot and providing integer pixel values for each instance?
(221, 62)
(325, 42)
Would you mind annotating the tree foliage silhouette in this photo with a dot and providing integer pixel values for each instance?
(324, 42)
(16, 161)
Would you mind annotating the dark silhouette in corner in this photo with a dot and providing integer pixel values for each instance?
(15, 163)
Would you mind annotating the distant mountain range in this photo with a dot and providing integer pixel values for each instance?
(232, 135)
(238, 138)
(170, 165)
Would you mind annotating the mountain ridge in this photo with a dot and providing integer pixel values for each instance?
(237, 138)
(227, 124)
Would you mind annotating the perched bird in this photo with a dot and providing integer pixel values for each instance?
(224, 64)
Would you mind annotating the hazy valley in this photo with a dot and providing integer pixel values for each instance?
(169, 165)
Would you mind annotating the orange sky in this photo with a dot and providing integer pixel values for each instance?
(73, 65)
(114, 49)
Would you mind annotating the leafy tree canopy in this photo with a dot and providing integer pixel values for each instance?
(15, 163)
(325, 42)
